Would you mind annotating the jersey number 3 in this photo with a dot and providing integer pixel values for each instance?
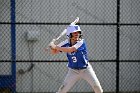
(74, 59)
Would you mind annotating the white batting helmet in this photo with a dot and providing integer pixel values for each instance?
(71, 29)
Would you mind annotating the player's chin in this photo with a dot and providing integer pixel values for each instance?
(76, 39)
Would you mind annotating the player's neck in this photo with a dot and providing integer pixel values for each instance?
(73, 41)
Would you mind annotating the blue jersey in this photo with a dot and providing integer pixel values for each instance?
(77, 59)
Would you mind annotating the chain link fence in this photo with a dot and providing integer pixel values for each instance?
(27, 27)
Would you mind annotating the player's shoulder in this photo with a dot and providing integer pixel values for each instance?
(80, 45)
(81, 41)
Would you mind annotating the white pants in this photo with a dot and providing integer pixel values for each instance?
(86, 74)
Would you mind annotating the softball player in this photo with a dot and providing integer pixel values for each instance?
(78, 64)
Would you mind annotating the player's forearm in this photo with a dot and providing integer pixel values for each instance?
(65, 49)
(54, 51)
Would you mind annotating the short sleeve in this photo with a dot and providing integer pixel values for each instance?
(78, 44)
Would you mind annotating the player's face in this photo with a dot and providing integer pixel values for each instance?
(75, 35)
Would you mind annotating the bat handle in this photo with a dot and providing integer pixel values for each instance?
(57, 38)
(63, 33)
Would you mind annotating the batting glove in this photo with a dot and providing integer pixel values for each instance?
(52, 45)
(53, 40)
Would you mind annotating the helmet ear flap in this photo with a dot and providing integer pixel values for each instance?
(70, 36)
(80, 34)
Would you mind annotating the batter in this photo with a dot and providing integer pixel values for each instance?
(77, 55)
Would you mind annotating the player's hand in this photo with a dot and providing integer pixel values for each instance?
(52, 45)
(53, 40)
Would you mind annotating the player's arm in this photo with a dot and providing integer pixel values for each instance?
(61, 47)
(54, 51)
(57, 49)
(70, 49)
(53, 47)
(65, 49)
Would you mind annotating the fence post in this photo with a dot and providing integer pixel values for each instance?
(118, 46)
(13, 45)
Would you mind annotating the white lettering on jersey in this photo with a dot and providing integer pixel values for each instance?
(74, 59)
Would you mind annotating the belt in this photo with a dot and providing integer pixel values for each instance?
(79, 68)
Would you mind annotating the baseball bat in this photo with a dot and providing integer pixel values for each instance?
(63, 33)
(65, 30)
